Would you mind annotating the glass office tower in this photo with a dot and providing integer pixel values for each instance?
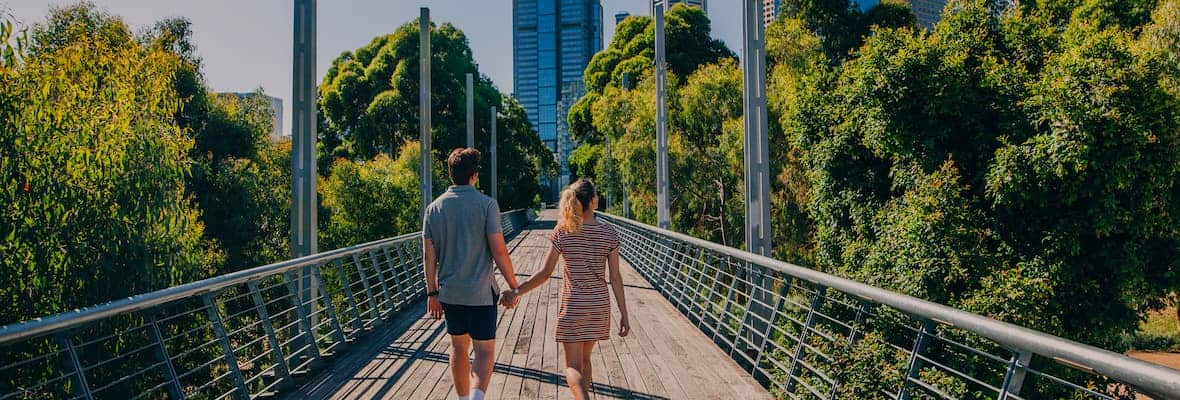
(552, 41)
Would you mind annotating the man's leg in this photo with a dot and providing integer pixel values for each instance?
(460, 365)
(485, 361)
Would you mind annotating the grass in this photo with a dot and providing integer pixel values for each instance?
(1160, 332)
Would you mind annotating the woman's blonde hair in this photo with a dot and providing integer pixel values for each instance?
(575, 202)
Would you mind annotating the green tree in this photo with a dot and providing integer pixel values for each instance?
(371, 200)
(369, 101)
(92, 176)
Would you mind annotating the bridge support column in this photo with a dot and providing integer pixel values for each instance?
(662, 216)
(303, 138)
(470, 110)
(494, 162)
(425, 187)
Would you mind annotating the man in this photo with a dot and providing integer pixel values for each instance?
(461, 232)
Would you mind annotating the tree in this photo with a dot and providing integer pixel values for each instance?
(631, 51)
(92, 175)
(371, 200)
(369, 101)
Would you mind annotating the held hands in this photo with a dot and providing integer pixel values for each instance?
(509, 298)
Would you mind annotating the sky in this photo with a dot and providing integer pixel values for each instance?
(246, 44)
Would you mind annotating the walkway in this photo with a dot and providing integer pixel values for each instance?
(665, 357)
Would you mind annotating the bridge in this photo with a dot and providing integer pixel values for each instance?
(709, 322)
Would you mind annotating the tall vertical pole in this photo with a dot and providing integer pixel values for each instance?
(626, 187)
(470, 111)
(662, 215)
(303, 132)
(495, 182)
(424, 109)
(757, 154)
(757, 163)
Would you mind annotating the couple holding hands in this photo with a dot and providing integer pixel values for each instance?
(461, 237)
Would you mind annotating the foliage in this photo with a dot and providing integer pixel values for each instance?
(369, 104)
(92, 176)
(371, 200)
(631, 51)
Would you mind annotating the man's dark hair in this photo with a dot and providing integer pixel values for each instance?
(462, 164)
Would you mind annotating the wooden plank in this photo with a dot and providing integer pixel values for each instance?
(665, 356)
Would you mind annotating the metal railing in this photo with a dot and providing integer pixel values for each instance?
(807, 334)
(242, 335)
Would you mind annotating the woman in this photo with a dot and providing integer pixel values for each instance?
(588, 248)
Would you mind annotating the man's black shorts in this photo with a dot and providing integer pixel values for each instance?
(477, 321)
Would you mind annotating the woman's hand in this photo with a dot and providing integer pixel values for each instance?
(508, 298)
(624, 326)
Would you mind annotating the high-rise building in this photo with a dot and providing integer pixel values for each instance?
(620, 16)
(927, 11)
(552, 41)
(703, 4)
(769, 11)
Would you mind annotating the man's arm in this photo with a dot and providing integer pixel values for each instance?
(430, 269)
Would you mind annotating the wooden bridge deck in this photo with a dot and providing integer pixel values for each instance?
(665, 357)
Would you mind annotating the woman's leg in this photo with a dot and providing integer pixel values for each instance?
(587, 368)
(573, 369)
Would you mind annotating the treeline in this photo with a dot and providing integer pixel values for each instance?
(122, 173)
(1020, 162)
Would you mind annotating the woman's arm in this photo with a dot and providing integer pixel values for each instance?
(616, 284)
(537, 279)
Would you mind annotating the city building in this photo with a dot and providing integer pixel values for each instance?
(620, 16)
(769, 11)
(276, 109)
(552, 41)
(866, 5)
(703, 4)
(927, 11)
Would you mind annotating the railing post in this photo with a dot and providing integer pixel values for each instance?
(231, 360)
(381, 280)
(281, 371)
(915, 364)
(404, 266)
(337, 330)
(374, 312)
(396, 268)
(357, 324)
(778, 303)
(81, 386)
(312, 350)
(175, 391)
(1014, 377)
(817, 301)
(721, 316)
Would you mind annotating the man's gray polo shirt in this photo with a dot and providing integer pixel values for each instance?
(459, 222)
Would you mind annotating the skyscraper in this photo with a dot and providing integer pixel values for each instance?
(927, 11)
(769, 11)
(703, 4)
(552, 41)
(620, 16)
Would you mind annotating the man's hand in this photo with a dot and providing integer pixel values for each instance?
(433, 307)
(509, 298)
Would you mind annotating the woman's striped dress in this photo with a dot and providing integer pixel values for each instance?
(585, 297)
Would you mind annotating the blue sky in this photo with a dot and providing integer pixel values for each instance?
(246, 44)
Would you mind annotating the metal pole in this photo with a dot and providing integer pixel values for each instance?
(757, 155)
(425, 171)
(662, 216)
(495, 119)
(626, 188)
(470, 111)
(303, 132)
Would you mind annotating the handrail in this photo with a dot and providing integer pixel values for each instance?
(1142, 375)
(240, 335)
(39, 326)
